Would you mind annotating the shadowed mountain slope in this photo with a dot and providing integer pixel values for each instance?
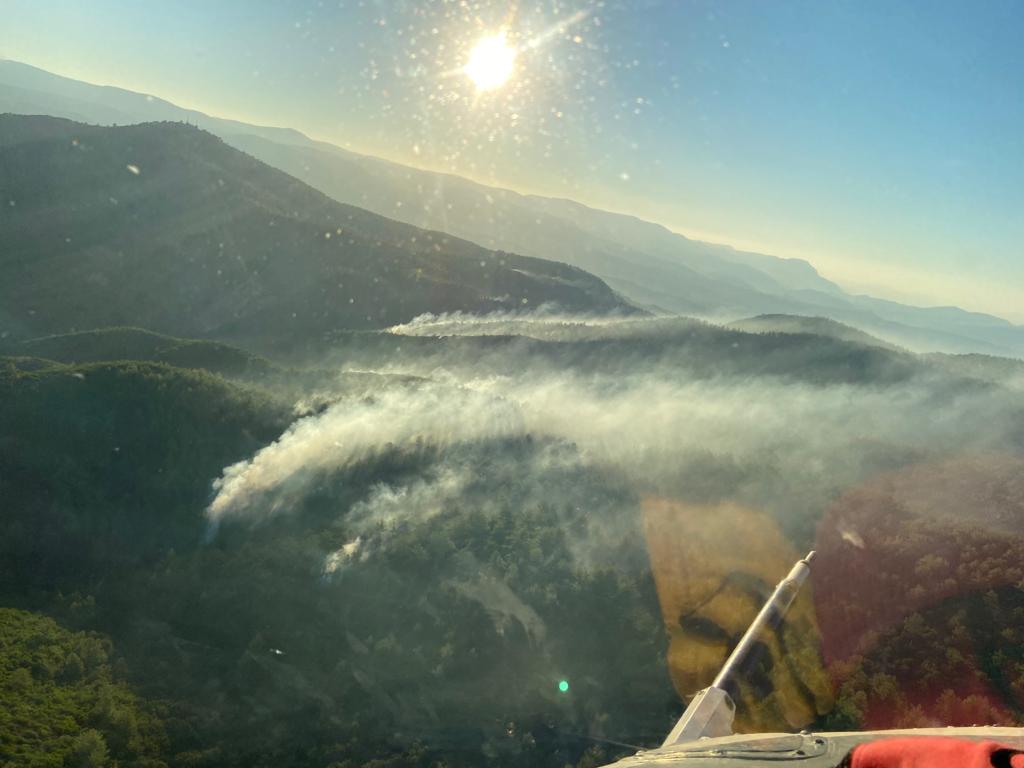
(166, 227)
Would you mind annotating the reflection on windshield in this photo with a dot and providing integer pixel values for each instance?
(714, 583)
(930, 634)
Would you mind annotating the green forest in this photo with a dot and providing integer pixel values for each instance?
(237, 649)
(288, 484)
(468, 595)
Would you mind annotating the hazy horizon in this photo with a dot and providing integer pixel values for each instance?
(890, 164)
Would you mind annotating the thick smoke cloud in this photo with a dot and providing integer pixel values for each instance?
(576, 428)
(784, 446)
(351, 431)
(546, 322)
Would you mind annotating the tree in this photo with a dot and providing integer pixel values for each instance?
(88, 750)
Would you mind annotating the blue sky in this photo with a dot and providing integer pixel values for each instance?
(883, 141)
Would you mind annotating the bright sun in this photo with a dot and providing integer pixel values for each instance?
(490, 63)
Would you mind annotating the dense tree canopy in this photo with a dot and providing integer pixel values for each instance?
(62, 705)
(418, 599)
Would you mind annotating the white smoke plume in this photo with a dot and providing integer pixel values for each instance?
(762, 441)
(351, 431)
(547, 323)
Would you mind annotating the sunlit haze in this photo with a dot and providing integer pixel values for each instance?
(490, 63)
(873, 139)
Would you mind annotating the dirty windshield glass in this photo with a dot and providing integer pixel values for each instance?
(446, 384)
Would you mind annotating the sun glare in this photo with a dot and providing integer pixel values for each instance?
(490, 63)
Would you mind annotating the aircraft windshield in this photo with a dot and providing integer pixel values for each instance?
(449, 383)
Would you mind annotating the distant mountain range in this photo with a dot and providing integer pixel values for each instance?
(650, 265)
(164, 226)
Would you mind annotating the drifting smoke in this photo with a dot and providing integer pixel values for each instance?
(850, 536)
(475, 582)
(547, 323)
(349, 432)
(784, 447)
(420, 500)
(691, 456)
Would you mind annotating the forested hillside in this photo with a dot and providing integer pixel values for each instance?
(63, 704)
(265, 654)
(294, 571)
(105, 466)
(164, 226)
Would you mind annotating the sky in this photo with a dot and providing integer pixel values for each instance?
(883, 141)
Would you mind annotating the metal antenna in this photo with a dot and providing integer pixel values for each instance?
(712, 710)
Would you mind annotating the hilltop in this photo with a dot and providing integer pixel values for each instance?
(166, 227)
(818, 326)
(647, 263)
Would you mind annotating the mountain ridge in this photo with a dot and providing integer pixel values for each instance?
(648, 263)
(216, 244)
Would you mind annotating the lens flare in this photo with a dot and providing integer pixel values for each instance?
(490, 63)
